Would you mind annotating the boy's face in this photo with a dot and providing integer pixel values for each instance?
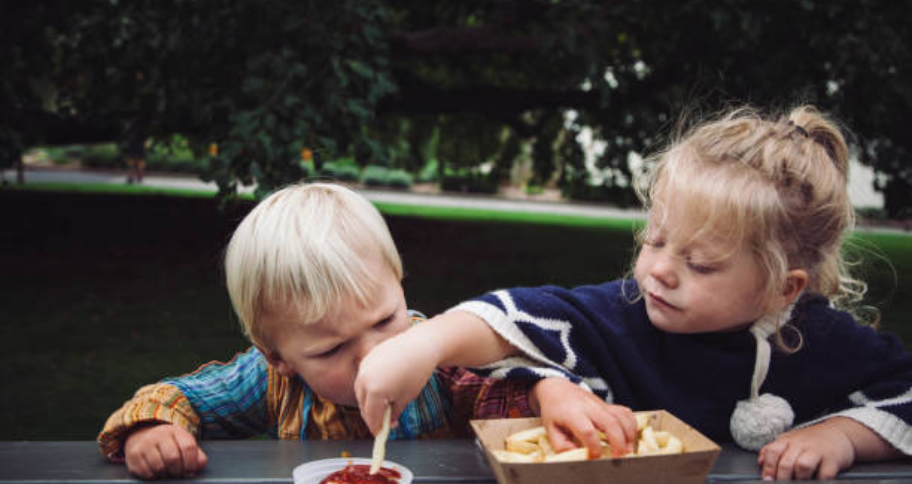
(326, 353)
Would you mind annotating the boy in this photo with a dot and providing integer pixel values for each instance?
(314, 277)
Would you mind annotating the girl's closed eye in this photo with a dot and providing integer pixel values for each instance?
(654, 241)
(700, 268)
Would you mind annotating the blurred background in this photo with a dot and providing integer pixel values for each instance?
(110, 282)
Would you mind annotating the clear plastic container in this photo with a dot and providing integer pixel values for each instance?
(315, 471)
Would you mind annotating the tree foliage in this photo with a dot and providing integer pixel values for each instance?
(393, 82)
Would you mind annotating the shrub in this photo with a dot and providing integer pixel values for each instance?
(374, 176)
(618, 196)
(428, 173)
(468, 182)
(103, 155)
(399, 179)
(340, 171)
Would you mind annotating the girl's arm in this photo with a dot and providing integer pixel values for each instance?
(395, 371)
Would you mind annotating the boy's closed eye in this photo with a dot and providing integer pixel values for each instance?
(384, 322)
(329, 352)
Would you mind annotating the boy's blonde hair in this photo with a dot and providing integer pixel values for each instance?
(777, 185)
(305, 245)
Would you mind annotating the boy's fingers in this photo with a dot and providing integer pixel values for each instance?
(186, 445)
(171, 458)
(154, 462)
(136, 464)
(201, 459)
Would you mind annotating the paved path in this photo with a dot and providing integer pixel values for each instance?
(486, 202)
(385, 196)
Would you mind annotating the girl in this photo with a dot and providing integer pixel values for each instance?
(730, 322)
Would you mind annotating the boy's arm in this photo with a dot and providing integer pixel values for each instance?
(152, 404)
(217, 400)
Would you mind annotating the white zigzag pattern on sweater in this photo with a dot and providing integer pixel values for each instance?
(508, 324)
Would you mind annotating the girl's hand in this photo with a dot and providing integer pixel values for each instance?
(569, 412)
(393, 372)
(163, 450)
(822, 450)
(819, 451)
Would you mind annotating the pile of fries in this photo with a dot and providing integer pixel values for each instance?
(532, 445)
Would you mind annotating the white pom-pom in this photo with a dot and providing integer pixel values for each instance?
(758, 421)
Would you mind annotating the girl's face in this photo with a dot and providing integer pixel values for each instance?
(696, 285)
(327, 353)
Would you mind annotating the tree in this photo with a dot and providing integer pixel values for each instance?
(266, 78)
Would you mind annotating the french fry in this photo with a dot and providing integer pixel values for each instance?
(516, 457)
(522, 446)
(579, 453)
(674, 446)
(529, 435)
(533, 445)
(648, 444)
(545, 446)
(380, 442)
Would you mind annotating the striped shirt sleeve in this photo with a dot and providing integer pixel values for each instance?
(229, 398)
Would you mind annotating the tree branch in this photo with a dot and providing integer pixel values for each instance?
(451, 40)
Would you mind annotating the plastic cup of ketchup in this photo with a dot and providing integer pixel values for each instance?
(350, 470)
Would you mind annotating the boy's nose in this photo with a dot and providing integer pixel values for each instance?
(365, 345)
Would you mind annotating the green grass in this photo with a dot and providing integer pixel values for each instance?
(422, 211)
(105, 289)
(108, 188)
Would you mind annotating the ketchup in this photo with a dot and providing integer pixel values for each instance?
(360, 474)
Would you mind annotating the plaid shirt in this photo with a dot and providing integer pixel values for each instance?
(247, 397)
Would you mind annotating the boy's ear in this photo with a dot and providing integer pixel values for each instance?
(275, 359)
(795, 282)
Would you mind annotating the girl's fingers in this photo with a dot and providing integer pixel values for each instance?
(786, 468)
(806, 464)
(616, 434)
(560, 440)
(768, 459)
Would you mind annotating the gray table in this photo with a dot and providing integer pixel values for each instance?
(271, 462)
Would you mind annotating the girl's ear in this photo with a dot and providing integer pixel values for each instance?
(795, 282)
(275, 359)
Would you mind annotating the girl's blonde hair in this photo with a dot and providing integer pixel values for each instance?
(305, 245)
(778, 185)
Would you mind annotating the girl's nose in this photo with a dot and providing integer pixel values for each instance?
(663, 271)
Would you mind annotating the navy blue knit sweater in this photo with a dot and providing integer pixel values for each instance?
(597, 336)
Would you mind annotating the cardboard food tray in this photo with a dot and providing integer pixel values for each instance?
(691, 466)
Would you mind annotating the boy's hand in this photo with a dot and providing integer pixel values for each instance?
(394, 372)
(568, 411)
(163, 450)
(820, 451)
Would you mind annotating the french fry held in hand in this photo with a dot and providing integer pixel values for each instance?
(532, 445)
